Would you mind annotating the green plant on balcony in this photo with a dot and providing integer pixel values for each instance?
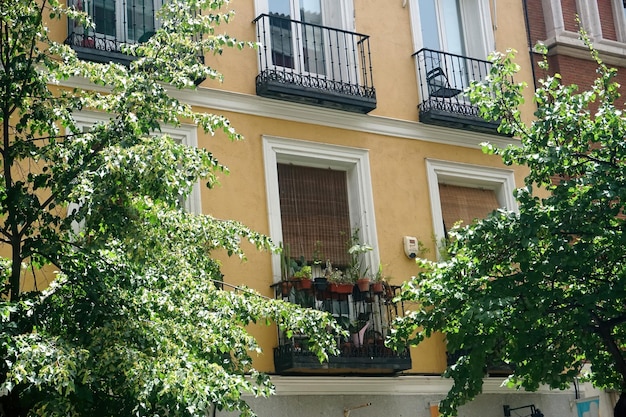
(335, 275)
(357, 271)
(379, 280)
(303, 277)
(304, 272)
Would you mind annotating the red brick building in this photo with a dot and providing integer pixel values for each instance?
(554, 23)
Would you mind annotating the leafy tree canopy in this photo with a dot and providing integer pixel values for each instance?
(134, 323)
(542, 289)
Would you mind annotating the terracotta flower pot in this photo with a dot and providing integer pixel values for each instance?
(377, 287)
(305, 284)
(286, 287)
(363, 284)
(341, 288)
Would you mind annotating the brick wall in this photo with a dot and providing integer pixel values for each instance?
(606, 19)
(536, 22)
(583, 73)
(569, 14)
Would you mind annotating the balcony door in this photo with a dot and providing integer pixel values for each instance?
(297, 36)
(459, 29)
(119, 21)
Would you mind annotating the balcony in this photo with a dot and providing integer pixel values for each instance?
(116, 22)
(443, 78)
(312, 64)
(367, 315)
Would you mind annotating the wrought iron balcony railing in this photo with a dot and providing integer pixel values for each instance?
(313, 64)
(366, 313)
(443, 78)
(116, 22)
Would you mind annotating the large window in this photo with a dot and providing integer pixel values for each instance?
(185, 134)
(465, 203)
(315, 213)
(318, 193)
(461, 27)
(118, 21)
(305, 46)
(463, 192)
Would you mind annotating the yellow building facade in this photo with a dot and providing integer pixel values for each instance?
(354, 111)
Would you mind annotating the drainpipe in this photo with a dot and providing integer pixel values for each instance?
(530, 45)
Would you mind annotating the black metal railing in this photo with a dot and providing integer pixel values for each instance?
(314, 64)
(116, 22)
(365, 313)
(443, 79)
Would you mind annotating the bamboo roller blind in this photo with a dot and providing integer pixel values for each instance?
(314, 208)
(465, 203)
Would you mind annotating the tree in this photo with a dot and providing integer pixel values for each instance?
(543, 290)
(136, 321)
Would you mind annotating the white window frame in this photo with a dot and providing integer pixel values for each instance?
(501, 181)
(354, 161)
(186, 134)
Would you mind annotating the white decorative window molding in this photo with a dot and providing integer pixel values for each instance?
(501, 181)
(354, 161)
(185, 133)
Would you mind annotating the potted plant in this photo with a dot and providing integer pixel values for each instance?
(378, 280)
(356, 270)
(339, 282)
(287, 267)
(303, 275)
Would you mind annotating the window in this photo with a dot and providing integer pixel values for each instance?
(186, 134)
(118, 21)
(465, 204)
(466, 192)
(297, 39)
(291, 167)
(461, 27)
(315, 215)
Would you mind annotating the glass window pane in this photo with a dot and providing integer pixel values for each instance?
(451, 17)
(313, 36)
(281, 33)
(140, 20)
(280, 7)
(428, 21)
(104, 17)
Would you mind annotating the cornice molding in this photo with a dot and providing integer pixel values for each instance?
(569, 44)
(220, 100)
(259, 106)
(394, 385)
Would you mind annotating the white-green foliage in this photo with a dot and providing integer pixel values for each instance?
(134, 324)
(543, 290)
